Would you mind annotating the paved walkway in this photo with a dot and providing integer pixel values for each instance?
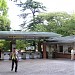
(39, 67)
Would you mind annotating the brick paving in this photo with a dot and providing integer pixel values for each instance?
(39, 67)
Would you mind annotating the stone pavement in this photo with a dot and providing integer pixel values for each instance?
(39, 67)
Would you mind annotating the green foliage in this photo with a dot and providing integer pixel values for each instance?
(40, 28)
(3, 7)
(63, 31)
(58, 17)
(1, 44)
(34, 7)
(21, 44)
(5, 44)
(59, 22)
(70, 26)
(4, 23)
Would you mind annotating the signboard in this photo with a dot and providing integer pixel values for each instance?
(30, 48)
(15, 36)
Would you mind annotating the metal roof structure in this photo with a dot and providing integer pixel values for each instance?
(27, 35)
(48, 36)
(66, 39)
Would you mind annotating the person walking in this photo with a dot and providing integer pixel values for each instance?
(14, 56)
(72, 54)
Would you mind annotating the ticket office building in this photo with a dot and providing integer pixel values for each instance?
(12, 36)
(52, 46)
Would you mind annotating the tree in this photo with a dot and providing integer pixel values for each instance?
(22, 44)
(33, 7)
(40, 28)
(59, 22)
(5, 45)
(3, 7)
(4, 21)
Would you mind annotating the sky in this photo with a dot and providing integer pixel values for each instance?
(51, 6)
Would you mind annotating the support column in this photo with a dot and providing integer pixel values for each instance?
(12, 45)
(34, 44)
(0, 54)
(44, 50)
(39, 46)
(74, 45)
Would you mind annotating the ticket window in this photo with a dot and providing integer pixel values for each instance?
(60, 48)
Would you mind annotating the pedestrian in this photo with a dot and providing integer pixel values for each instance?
(72, 54)
(19, 55)
(14, 56)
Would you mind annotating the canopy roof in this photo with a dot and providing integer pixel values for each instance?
(48, 36)
(67, 39)
(27, 35)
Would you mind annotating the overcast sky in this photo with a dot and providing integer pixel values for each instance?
(51, 5)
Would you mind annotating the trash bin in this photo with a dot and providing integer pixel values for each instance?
(35, 55)
(27, 56)
(23, 55)
(31, 55)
